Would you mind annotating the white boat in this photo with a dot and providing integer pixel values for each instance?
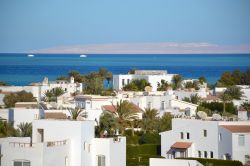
(83, 56)
(30, 55)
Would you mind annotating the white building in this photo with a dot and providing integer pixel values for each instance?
(64, 143)
(207, 139)
(152, 76)
(38, 89)
(165, 103)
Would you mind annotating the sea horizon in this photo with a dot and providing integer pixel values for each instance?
(19, 69)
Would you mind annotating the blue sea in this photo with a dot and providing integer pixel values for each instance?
(18, 69)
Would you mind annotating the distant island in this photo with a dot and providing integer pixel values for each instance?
(147, 48)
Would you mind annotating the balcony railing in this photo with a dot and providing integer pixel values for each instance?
(20, 144)
(56, 143)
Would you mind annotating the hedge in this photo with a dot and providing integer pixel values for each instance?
(140, 154)
(216, 162)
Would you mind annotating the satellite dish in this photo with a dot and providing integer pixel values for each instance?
(216, 117)
(202, 115)
(148, 89)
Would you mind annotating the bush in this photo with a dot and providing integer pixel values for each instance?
(216, 162)
(217, 106)
(140, 154)
(132, 139)
(150, 138)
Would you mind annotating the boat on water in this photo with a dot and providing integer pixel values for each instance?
(30, 55)
(83, 56)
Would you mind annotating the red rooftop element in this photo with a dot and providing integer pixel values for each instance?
(237, 128)
(181, 145)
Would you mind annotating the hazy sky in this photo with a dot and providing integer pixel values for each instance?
(34, 24)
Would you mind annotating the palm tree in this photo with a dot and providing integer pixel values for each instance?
(124, 114)
(225, 99)
(49, 95)
(177, 79)
(149, 119)
(75, 112)
(25, 129)
(58, 91)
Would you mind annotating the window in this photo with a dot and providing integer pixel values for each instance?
(182, 135)
(163, 105)
(21, 163)
(100, 160)
(241, 140)
(65, 89)
(188, 136)
(128, 81)
(205, 154)
(199, 153)
(211, 154)
(205, 133)
(220, 137)
(123, 82)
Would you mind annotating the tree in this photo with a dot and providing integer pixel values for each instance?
(163, 85)
(62, 78)
(226, 79)
(234, 92)
(22, 96)
(195, 99)
(93, 84)
(136, 85)
(74, 113)
(77, 76)
(103, 72)
(246, 106)
(245, 78)
(6, 129)
(25, 129)
(124, 114)
(58, 91)
(165, 122)
(132, 71)
(3, 83)
(177, 79)
(202, 80)
(107, 123)
(149, 120)
(236, 75)
(225, 99)
(49, 96)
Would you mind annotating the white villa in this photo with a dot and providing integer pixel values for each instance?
(152, 76)
(207, 139)
(166, 103)
(38, 89)
(64, 143)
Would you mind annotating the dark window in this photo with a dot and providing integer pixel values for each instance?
(188, 136)
(211, 154)
(123, 82)
(205, 154)
(205, 133)
(182, 135)
(199, 153)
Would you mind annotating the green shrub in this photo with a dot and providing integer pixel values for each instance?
(216, 162)
(150, 138)
(132, 139)
(140, 154)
